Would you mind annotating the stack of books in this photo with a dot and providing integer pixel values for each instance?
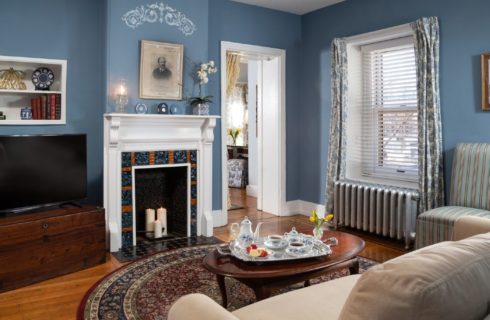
(46, 107)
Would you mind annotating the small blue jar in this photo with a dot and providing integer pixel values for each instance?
(26, 113)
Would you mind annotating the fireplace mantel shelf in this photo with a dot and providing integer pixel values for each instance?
(158, 116)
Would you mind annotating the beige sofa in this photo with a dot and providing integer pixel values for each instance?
(448, 280)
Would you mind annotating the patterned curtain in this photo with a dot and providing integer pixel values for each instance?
(338, 115)
(431, 173)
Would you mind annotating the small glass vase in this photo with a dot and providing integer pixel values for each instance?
(318, 232)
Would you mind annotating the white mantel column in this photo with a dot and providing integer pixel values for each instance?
(207, 175)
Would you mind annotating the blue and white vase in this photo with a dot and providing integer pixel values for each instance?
(26, 113)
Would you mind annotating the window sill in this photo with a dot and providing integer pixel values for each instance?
(387, 181)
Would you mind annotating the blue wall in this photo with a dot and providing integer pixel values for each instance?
(71, 30)
(464, 35)
(216, 20)
(123, 47)
(235, 22)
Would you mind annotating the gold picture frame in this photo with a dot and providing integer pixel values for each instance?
(161, 69)
(485, 81)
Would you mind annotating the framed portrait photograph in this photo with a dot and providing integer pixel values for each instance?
(161, 67)
(485, 81)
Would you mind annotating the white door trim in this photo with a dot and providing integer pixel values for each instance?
(259, 51)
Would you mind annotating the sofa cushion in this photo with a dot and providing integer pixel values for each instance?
(469, 226)
(436, 225)
(448, 280)
(197, 306)
(320, 301)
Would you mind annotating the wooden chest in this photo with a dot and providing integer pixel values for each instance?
(42, 245)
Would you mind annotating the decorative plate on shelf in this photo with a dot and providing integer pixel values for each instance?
(42, 78)
(141, 108)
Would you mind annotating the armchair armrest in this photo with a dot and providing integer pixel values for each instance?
(199, 307)
(468, 226)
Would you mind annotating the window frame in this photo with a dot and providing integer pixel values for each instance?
(354, 134)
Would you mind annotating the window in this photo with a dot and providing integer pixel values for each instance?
(382, 122)
(390, 139)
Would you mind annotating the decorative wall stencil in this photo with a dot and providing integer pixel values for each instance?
(159, 12)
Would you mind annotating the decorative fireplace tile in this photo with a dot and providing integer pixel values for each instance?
(126, 179)
(193, 156)
(126, 197)
(180, 157)
(126, 159)
(141, 158)
(193, 212)
(193, 191)
(149, 158)
(127, 239)
(161, 157)
(127, 220)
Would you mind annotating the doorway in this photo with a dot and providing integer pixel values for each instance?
(253, 128)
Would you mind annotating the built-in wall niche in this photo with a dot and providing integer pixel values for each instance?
(167, 187)
(13, 100)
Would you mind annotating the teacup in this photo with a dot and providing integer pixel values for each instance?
(296, 248)
(276, 243)
(275, 238)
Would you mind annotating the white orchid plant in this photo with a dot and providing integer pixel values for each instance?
(203, 73)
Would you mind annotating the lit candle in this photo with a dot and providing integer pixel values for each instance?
(158, 229)
(122, 90)
(150, 219)
(162, 216)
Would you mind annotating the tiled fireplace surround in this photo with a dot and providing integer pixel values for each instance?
(133, 142)
(142, 160)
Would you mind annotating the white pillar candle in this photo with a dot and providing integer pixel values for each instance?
(150, 219)
(162, 216)
(158, 229)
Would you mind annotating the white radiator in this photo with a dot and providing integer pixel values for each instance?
(383, 210)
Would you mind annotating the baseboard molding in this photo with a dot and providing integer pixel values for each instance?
(304, 207)
(294, 207)
(252, 191)
(220, 218)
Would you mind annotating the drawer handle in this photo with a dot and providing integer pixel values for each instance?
(45, 226)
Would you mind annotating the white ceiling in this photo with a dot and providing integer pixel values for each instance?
(292, 6)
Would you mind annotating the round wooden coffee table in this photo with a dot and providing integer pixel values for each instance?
(266, 277)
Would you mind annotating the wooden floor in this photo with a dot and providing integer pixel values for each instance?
(59, 298)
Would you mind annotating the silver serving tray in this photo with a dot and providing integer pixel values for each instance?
(319, 249)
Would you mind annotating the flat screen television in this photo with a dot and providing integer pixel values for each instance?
(42, 170)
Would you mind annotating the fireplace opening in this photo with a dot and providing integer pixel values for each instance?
(165, 187)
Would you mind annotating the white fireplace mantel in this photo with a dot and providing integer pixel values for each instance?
(150, 132)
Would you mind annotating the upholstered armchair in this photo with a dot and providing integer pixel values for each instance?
(469, 195)
(237, 173)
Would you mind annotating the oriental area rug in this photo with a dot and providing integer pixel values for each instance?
(147, 288)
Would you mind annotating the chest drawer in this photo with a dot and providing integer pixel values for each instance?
(47, 228)
(50, 245)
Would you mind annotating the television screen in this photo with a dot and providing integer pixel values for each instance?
(42, 170)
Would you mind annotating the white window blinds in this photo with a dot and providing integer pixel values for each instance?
(389, 110)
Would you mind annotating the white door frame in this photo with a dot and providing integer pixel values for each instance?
(261, 51)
